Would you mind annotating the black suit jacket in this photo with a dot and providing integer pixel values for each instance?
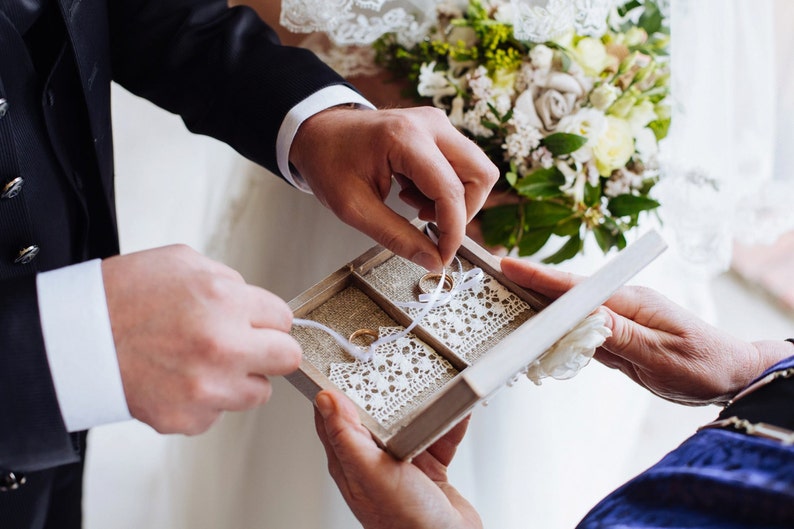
(221, 69)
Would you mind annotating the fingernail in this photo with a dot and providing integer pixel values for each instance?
(325, 405)
(427, 261)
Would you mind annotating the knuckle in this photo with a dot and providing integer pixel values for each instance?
(216, 288)
(256, 393)
(199, 391)
(491, 174)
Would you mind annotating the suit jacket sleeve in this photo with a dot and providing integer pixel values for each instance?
(33, 434)
(221, 69)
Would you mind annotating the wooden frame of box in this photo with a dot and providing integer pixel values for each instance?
(474, 382)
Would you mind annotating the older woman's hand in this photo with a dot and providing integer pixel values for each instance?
(660, 345)
(385, 493)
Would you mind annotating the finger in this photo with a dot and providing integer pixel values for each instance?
(266, 310)
(475, 170)
(350, 442)
(634, 343)
(425, 165)
(543, 279)
(395, 233)
(250, 392)
(334, 466)
(444, 449)
(269, 352)
(414, 198)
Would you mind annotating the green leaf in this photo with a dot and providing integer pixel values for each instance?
(499, 224)
(568, 227)
(628, 6)
(592, 195)
(532, 241)
(563, 143)
(651, 19)
(544, 213)
(511, 178)
(626, 205)
(568, 250)
(541, 183)
(660, 128)
(605, 238)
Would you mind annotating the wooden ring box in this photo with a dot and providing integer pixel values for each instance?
(355, 300)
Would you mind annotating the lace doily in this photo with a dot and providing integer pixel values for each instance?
(473, 316)
(360, 21)
(394, 378)
(471, 322)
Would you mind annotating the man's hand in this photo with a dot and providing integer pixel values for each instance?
(348, 158)
(660, 345)
(385, 493)
(192, 338)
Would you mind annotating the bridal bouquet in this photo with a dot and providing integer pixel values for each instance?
(571, 114)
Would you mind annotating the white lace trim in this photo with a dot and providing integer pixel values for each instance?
(542, 21)
(347, 61)
(473, 316)
(399, 372)
(359, 22)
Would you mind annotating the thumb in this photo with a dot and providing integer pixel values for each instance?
(629, 340)
(342, 432)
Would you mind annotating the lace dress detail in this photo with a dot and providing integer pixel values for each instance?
(394, 378)
(347, 61)
(541, 20)
(359, 22)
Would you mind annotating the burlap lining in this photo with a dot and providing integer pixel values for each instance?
(398, 279)
(346, 312)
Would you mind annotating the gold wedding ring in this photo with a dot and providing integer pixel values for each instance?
(362, 333)
(434, 278)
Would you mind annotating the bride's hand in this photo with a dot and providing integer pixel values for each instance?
(661, 346)
(348, 158)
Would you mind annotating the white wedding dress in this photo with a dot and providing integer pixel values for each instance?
(536, 456)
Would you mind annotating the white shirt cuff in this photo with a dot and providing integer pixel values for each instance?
(80, 348)
(323, 99)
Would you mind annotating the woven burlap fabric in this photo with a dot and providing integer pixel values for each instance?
(346, 312)
(398, 279)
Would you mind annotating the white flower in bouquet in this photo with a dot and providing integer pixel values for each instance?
(615, 146)
(589, 123)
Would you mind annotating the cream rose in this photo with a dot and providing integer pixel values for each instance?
(614, 147)
(592, 56)
(642, 114)
(552, 106)
(604, 95)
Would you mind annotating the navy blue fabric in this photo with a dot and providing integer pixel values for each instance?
(716, 479)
